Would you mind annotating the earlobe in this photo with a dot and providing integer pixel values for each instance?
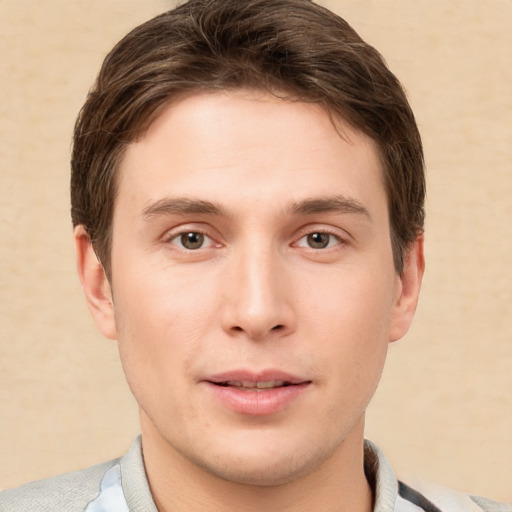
(408, 290)
(95, 284)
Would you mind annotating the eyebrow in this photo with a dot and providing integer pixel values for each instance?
(184, 206)
(334, 204)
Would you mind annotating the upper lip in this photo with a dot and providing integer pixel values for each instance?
(268, 375)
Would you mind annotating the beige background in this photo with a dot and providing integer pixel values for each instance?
(444, 408)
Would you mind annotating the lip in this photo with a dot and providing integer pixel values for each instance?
(262, 376)
(246, 392)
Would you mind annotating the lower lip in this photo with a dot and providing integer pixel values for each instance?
(257, 403)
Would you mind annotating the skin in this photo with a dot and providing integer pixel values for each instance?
(257, 294)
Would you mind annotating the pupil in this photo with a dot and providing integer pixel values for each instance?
(192, 240)
(318, 240)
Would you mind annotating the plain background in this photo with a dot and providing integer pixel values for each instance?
(444, 407)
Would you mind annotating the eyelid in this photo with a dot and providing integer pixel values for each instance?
(341, 235)
(176, 232)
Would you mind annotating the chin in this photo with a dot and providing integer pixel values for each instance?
(262, 473)
(263, 467)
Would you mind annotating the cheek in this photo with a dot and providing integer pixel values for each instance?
(161, 323)
(354, 303)
(163, 301)
(350, 320)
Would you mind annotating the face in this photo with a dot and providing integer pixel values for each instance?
(254, 293)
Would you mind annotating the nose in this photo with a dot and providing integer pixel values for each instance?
(259, 296)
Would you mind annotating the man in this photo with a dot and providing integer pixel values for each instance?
(247, 196)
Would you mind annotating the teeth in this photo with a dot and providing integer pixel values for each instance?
(258, 385)
(269, 384)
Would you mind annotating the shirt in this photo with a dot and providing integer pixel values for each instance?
(121, 485)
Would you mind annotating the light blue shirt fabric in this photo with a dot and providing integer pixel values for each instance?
(111, 497)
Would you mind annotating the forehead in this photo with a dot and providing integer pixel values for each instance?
(243, 146)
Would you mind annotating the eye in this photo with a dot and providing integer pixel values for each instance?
(191, 240)
(319, 240)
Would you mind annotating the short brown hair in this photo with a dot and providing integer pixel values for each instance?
(292, 48)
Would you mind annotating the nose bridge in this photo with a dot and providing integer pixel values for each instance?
(259, 303)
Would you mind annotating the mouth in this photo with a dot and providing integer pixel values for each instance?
(257, 394)
(247, 380)
(247, 385)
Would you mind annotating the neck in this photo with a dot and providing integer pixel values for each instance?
(338, 484)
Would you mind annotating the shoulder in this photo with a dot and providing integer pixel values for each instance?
(488, 505)
(448, 499)
(392, 495)
(71, 492)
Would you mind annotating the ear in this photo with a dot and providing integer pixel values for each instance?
(95, 284)
(408, 289)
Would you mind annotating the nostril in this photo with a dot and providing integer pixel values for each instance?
(255, 332)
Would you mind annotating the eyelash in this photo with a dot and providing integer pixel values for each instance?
(176, 238)
(339, 241)
(337, 238)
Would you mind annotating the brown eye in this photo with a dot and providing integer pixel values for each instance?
(192, 240)
(318, 240)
